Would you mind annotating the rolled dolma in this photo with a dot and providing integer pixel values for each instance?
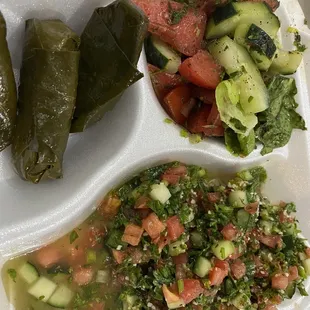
(47, 96)
(111, 45)
(8, 96)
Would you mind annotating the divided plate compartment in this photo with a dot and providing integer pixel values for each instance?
(130, 138)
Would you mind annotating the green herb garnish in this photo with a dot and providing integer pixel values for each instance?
(12, 273)
(73, 236)
(168, 121)
(184, 133)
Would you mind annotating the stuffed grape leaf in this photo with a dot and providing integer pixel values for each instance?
(111, 45)
(8, 96)
(47, 96)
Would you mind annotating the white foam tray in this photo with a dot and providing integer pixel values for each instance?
(130, 138)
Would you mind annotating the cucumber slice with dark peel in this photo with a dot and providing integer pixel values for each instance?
(226, 19)
(259, 40)
(240, 67)
(285, 63)
(28, 272)
(161, 55)
(258, 43)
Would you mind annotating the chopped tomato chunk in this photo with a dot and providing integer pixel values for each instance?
(186, 35)
(179, 170)
(260, 271)
(132, 234)
(238, 269)
(198, 118)
(83, 276)
(238, 252)
(153, 226)
(203, 94)
(284, 218)
(76, 255)
(109, 206)
(96, 306)
(192, 289)
(119, 256)
(171, 294)
(173, 175)
(272, 241)
(186, 109)
(137, 255)
(251, 208)
(216, 276)
(307, 251)
(164, 82)
(175, 101)
(161, 242)
(95, 236)
(180, 259)
(293, 273)
(180, 272)
(222, 264)
(48, 256)
(152, 68)
(218, 272)
(141, 202)
(279, 281)
(229, 232)
(171, 178)
(214, 197)
(201, 70)
(214, 131)
(175, 228)
(214, 124)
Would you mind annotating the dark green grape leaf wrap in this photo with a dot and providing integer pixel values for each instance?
(8, 96)
(111, 45)
(47, 97)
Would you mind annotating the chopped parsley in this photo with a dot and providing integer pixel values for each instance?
(168, 121)
(297, 42)
(177, 15)
(12, 273)
(184, 133)
(73, 236)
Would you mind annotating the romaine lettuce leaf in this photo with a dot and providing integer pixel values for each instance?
(238, 144)
(227, 99)
(278, 121)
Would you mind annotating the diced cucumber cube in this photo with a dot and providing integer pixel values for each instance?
(28, 272)
(160, 192)
(202, 267)
(238, 199)
(223, 249)
(306, 264)
(62, 297)
(42, 289)
(103, 276)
